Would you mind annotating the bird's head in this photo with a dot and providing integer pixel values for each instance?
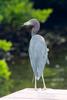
(32, 25)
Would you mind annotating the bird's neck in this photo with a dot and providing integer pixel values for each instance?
(32, 34)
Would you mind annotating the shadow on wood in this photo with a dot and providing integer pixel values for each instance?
(39, 94)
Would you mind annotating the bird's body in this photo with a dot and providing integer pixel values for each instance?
(38, 53)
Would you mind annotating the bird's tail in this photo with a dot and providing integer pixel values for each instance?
(48, 62)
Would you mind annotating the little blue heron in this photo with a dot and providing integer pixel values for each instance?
(38, 51)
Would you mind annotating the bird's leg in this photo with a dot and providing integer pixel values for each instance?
(35, 83)
(43, 81)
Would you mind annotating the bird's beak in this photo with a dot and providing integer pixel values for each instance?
(26, 28)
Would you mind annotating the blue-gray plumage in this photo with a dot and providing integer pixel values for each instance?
(38, 51)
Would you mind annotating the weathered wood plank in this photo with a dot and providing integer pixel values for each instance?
(39, 94)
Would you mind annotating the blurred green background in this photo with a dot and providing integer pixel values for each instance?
(15, 69)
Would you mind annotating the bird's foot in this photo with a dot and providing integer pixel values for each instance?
(35, 88)
(44, 88)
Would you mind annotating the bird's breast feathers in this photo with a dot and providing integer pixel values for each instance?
(38, 50)
(38, 45)
(38, 53)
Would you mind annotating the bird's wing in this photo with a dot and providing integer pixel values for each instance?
(38, 53)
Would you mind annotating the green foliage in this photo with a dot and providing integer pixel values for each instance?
(5, 82)
(4, 71)
(42, 15)
(5, 45)
(1, 18)
(5, 87)
(18, 11)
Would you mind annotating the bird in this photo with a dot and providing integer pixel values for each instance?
(38, 51)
